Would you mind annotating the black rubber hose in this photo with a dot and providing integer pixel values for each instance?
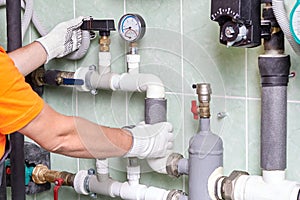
(14, 41)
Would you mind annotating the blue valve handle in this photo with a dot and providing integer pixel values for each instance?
(72, 81)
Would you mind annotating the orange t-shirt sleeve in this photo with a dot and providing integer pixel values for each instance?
(19, 104)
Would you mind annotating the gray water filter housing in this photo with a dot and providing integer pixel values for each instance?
(205, 156)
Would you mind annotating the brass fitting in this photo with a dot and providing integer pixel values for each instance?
(63, 74)
(133, 48)
(172, 164)
(228, 184)
(204, 92)
(104, 43)
(41, 174)
(37, 76)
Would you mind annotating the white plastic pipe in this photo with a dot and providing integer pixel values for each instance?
(142, 192)
(273, 176)
(133, 63)
(283, 21)
(102, 166)
(254, 187)
(104, 62)
(148, 83)
(114, 188)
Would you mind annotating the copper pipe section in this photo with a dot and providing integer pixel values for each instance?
(104, 43)
(41, 174)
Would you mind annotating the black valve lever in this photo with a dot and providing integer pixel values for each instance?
(103, 26)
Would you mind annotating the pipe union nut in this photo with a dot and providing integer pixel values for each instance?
(228, 184)
(175, 194)
(172, 164)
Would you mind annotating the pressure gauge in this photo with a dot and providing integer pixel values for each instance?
(132, 27)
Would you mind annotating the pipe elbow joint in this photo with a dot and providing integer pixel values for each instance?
(148, 83)
(152, 85)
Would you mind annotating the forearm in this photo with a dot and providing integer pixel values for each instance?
(76, 137)
(29, 57)
(96, 141)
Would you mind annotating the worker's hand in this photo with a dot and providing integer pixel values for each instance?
(63, 39)
(151, 141)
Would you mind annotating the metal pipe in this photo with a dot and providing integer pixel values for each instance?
(14, 41)
(205, 150)
(41, 174)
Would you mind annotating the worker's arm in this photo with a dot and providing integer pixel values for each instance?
(29, 57)
(76, 137)
(64, 38)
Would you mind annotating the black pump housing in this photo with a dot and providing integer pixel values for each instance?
(239, 21)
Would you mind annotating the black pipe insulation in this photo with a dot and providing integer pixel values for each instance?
(3, 195)
(14, 41)
(155, 110)
(274, 67)
(274, 79)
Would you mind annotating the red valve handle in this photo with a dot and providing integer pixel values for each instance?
(58, 183)
(194, 109)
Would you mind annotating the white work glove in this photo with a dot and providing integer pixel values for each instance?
(63, 39)
(151, 141)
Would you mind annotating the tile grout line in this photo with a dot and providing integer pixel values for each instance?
(246, 110)
(75, 67)
(126, 95)
(182, 82)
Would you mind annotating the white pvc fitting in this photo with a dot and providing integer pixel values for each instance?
(133, 174)
(212, 181)
(254, 187)
(133, 63)
(79, 180)
(156, 193)
(108, 81)
(273, 176)
(142, 192)
(104, 62)
(81, 73)
(102, 166)
(148, 83)
(133, 192)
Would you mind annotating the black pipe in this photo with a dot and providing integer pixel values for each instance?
(3, 185)
(274, 67)
(14, 41)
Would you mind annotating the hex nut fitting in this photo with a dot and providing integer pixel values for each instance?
(228, 184)
(175, 194)
(172, 164)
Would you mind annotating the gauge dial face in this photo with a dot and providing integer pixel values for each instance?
(131, 27)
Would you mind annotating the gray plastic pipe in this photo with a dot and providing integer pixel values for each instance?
(205, 156)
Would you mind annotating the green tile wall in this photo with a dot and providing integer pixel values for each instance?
(181, 47)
